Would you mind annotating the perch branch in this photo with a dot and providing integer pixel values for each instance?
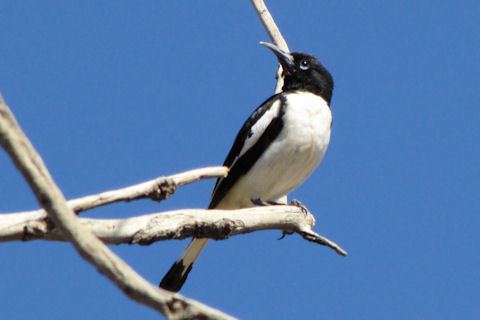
(274, 34)
(179, 224)
(29, 163)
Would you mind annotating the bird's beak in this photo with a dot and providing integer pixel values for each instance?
(285, 58)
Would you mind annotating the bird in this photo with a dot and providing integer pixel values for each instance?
(276, 149)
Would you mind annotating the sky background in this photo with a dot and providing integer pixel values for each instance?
(114, 93)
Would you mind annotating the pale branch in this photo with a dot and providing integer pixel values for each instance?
(180, 224)
(269, 24)
(155, 189)
(274, 34)
(12, 223)
(29, 163)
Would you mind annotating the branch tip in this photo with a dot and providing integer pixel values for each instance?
(312, 236)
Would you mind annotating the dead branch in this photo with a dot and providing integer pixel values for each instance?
(179, 224)
(24, 225)
(155, 189)
(49, 196)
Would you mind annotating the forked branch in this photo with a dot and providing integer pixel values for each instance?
(156, 189)
(29, 163)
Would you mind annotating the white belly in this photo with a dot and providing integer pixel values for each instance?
(291, 158)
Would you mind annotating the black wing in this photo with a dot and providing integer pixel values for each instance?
(239, 167)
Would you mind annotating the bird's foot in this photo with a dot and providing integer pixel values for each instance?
(285, 233)
(259, 202)
(297, 203)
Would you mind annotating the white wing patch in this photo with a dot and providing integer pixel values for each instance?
(258, 129)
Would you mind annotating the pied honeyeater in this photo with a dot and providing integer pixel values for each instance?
(276, 149)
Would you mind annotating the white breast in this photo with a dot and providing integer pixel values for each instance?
(292, 157)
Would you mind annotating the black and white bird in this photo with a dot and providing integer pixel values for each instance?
(277, 148)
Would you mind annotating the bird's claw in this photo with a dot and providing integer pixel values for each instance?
(297, 203)
(259, 202)
(284, 234)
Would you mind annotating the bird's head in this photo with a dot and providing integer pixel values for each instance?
(302, 71)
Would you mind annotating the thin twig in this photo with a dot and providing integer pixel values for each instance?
(269, 24)
(29, 163)
(274, 34)
(324, 241)
(155, 189)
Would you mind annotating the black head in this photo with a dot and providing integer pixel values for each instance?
(302, 71)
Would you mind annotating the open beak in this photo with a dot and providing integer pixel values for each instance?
(285, 58)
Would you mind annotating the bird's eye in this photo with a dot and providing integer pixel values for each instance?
(304, 65)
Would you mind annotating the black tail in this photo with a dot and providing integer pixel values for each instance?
(178, 273)
(175, 277)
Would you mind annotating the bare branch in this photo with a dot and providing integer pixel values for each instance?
(324, 241)
(269, 24)
(156, 189)
(27, 160)
(179, 224)
(274, 34)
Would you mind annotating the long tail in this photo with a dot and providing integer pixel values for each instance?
(176, 276)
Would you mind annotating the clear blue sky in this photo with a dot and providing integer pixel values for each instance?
(113, 93)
